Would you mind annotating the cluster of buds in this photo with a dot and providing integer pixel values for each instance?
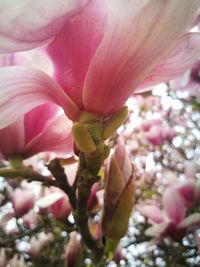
(91, 131)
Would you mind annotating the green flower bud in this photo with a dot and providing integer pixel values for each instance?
(82, 138)
(114, 122)
(117, 226)
(119, 195)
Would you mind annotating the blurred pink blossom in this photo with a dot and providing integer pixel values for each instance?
(37, 243)
(156, 132)
(57, 202)
(171, 220)
(30, 219)
(22, 200)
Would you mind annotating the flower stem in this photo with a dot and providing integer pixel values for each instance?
(89, 166)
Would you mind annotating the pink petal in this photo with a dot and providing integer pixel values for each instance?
(151, 212)
(73, 48)
(147, 124)
(139, 35)
(123, 161)
(191, 221)
(22, 205)
(36, 58)
(176, 63)
(28, 24)
(93, 200)
(49, 200)
(188, 192)
(155, 135)
(12, 139)
(173, 205)
(56, 137)
(35, 120)
(120, 155)
(23, 88)
(12, 59)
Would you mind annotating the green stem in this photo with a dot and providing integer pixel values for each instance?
(89, 166)
(16, 161)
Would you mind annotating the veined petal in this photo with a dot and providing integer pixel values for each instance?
(174, 206)
(7, 60)
(26, 24)
(176, 63)
(74, 46)
(12, 139)
(36, 120)
(23, 88)
(35, 58)
(56, 137)
(139, 35)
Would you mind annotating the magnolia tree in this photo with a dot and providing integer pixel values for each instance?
(87, 178)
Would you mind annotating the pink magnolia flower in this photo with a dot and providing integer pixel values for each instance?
(22, 200)
(188, 188)
(57, 202)
(147, 124)
(101, 56)
(189, 82)
(39, 130)
(155, 136)
(42, 128)
(171, 220)
(30, 219)
(155, 132)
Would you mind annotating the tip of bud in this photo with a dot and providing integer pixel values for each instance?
(114, 122)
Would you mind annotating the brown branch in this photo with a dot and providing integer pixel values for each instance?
(61, 180)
